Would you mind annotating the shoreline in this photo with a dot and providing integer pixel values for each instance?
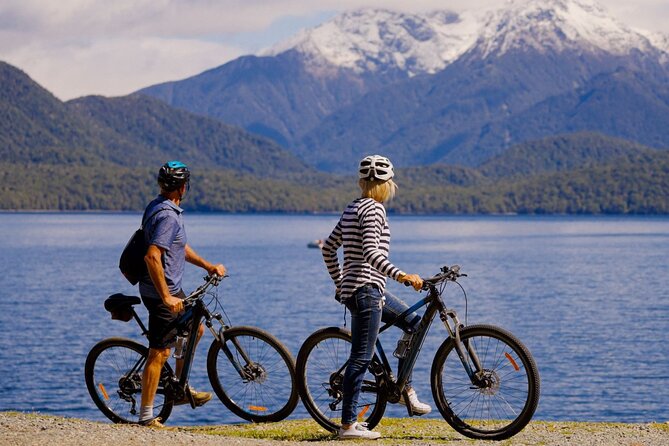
(32, 429)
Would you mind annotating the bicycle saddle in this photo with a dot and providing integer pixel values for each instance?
(120, 306)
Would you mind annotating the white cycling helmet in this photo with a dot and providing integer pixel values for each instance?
(376, 167)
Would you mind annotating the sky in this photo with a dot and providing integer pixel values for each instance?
(75, 48)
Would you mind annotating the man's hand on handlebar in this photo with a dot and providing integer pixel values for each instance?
(218, 270)
(174, 304)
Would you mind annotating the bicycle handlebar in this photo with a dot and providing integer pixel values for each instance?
(448, 273)
(209, 281)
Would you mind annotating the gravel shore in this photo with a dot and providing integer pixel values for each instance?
(19, 429)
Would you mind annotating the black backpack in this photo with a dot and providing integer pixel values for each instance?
(132, 263)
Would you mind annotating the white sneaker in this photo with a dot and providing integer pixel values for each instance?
(416, 406)
(358, 430)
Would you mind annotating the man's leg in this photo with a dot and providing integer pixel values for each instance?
(180, 362)
(159, 352)
(150, 379)
(200, 398)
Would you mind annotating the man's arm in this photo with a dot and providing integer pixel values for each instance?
(193, 258)
(154, 264)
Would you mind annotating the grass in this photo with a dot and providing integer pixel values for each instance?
(401, 430)
(394, 430)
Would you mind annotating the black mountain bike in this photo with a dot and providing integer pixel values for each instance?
(252, 373)
(484, 380)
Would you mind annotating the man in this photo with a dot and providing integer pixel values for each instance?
(161, 292)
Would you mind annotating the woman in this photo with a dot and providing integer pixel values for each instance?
(363, 232)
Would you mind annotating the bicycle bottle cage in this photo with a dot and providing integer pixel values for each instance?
(120, 306)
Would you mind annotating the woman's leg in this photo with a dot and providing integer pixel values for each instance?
(409, 324)
(365, 306)
(394, 306)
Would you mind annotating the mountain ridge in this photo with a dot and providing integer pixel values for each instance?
(380, 95)
(127, 131)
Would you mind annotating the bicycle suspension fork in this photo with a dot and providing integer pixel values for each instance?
(463, 349)
(243, 371)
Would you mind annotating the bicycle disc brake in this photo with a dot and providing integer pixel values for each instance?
(488, 383)
(255, 372)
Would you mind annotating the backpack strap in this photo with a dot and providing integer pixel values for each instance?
(145, 218)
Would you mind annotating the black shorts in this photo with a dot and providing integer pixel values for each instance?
(162, 330)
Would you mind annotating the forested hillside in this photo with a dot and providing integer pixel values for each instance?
(130, 131)
(99, 153)
(634, 181)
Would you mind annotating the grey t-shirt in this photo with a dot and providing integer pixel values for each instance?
(166, 230)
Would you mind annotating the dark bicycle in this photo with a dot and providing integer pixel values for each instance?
(252, 373)
(484, 380)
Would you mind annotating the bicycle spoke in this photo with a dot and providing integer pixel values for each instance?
(502, 392)
(113, 376)
(322, 370)
(267, 384)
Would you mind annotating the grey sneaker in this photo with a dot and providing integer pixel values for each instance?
(358, 431)
(416, 406)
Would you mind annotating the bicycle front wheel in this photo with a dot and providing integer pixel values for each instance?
(497, 403)
(253, 374)
(321, 364)
(113, 373)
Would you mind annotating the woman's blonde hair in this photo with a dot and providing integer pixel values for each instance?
(379, 190)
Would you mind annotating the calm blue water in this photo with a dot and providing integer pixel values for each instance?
(588, 295)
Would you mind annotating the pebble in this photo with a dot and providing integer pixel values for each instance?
(20, 429)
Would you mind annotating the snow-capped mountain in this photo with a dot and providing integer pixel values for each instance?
(557, 25)
(442, 86)
(373, 40)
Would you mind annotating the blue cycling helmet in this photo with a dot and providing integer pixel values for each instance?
(172, 175)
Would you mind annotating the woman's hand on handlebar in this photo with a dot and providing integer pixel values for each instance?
(413, 280)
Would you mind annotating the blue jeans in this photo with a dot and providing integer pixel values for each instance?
(367, 311)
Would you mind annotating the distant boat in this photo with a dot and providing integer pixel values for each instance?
(315, 244)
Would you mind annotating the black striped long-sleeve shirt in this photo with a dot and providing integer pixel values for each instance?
(364, 234)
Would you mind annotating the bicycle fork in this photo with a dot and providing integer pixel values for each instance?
(463, 349)
(247, 372)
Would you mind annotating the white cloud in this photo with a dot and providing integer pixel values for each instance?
(78, 47)
(119, 66)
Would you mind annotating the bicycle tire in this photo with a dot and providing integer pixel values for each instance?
(502, 406)
(115, 387)
(321, 355)
(272, 394)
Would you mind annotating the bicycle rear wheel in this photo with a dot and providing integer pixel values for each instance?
(502, 402)
(321, 364)
(253, 374)
(113, 375)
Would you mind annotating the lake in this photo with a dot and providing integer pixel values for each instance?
(589, 296)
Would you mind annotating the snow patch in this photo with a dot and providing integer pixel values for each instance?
(369, 40)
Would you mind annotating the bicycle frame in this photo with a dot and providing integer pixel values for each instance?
(435, 305)
(191, 318)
